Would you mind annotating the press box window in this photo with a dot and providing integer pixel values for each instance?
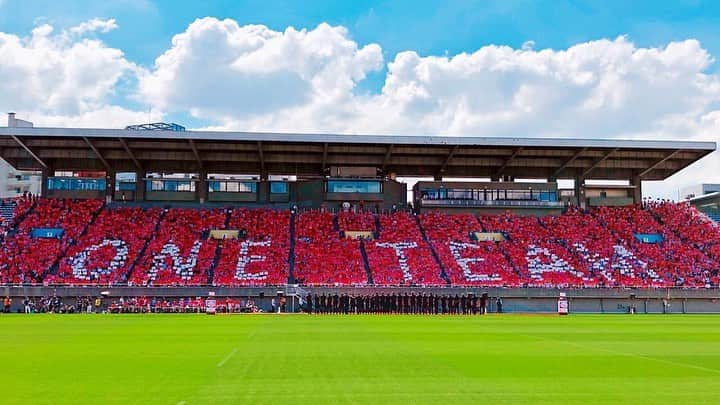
(345, 186)
(278, 187)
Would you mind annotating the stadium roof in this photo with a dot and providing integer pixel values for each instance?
(314, 154)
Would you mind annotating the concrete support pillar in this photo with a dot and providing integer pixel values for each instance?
(637, 191)
(45, 173)
(202, 186)
(579, 192)
(263, 192)
(139, 186)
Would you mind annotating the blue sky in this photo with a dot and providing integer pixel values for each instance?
(660, 80)
(429, 27)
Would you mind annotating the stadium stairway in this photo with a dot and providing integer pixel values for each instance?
(16, 221)
(218, 250)
(366, 262)
(56, 264)
(291, 253)
(378, 227)
(147, 243)
(7, 210)
(336, 223)
(502, 250)
(443, 273)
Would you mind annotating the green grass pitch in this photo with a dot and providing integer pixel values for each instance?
(297, 359)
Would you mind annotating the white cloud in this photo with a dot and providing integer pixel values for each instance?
(598, 89)
(50, 75)
(94, 25)
(106, 116)
(221, 71)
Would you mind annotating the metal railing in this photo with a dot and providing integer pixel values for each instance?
(493, 203)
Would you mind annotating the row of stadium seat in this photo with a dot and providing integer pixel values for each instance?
(597, 248)
(26, 259)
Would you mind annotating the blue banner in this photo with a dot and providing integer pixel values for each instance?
(649, 237)
(47, 233)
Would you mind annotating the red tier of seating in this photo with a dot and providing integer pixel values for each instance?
(693, 229)
(690, 224)
(536, 253)
(104, 254)
(596, 250)
(263, 256)
(180, 252)
(356, 221)
(400, 256)
(24, 259)
(467, 262)
(583, 249)
(668, 263)
(321, 256)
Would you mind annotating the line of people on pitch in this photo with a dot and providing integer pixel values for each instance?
(397, 304)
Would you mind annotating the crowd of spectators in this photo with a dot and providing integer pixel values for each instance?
(538, 255)
(25, 259)
(14, 209)
(658, 244)
(668, 263)
(466, 261)
(322, 256)
(104, 254)
(132, 305)
(261, 257)
(695, 232)
(400, 256)
(180, 252)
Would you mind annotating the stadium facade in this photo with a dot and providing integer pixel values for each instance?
(143, 181)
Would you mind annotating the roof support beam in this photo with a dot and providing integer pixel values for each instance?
(598, 162)
(98, 154)
(131, 154)
(448, 158)
(387, 156)
(509, 160)
(568, 162)
(659, 162)
(324, 157)
(28, 150)
(196, 153)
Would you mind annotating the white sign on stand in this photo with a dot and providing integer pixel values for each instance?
(562, 306)
(211, 304)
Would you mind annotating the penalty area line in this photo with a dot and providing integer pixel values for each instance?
(228, 357)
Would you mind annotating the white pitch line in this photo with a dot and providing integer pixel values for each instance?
(626, 354)
(652, 358)
(228, 357)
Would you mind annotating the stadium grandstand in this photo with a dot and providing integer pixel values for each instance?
(156, 209)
